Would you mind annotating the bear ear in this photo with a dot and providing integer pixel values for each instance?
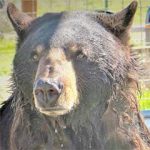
(19, 20)
(119, 23)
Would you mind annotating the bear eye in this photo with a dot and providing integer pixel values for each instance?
(35, 57)
(80, 54)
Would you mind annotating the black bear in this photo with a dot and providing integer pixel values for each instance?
(74, 84)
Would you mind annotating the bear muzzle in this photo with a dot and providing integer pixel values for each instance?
(47, 91)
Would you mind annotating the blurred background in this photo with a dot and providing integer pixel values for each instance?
(140, 35)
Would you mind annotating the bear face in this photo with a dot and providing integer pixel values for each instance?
(70, 58)
(75, 83)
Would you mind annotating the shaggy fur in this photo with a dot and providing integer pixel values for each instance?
(106, 116)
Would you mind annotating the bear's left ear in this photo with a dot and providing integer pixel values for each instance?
(119, 23)
(19, 20)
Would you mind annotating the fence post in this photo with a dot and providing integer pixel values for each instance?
(147, 27)
(106, 4)
(29, 7)
(2, 2)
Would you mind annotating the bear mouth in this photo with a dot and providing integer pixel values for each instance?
(54, 111)
(54, 98)
(54, 108)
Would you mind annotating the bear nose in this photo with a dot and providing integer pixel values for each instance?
(47, 90)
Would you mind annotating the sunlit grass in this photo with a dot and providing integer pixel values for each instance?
(7, 50)
(145, 100)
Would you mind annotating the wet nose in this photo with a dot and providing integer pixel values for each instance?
(47, 90)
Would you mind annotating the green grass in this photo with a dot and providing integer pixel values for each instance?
(7, 50)
(145, 104)
(145, 100)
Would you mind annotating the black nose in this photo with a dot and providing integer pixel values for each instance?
(47, 90)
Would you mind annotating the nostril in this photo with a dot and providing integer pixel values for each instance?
(39, 92)
(54, 88)
(52, 91)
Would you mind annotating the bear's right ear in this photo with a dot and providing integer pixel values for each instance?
(119, 23)
(19, 20)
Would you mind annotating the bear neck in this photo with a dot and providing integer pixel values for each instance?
(112, 118)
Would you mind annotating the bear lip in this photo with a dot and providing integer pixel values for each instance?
(54, 108)
(54, 111)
